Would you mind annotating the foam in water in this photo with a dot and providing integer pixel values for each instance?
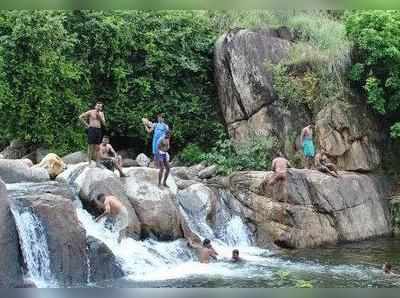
(34, 247)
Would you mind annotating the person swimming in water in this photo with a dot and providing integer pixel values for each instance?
(205, 251)
(235, 256)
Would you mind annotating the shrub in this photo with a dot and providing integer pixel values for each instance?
(375, 35)
(191, 154)
(255, 154)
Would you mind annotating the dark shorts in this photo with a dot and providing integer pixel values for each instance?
(108, 163)
(95, 135)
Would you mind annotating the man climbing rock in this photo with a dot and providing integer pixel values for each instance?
(94, 120)
(205, 251)
(307, 143)
(279, 166)
(109, 158)
(118, 212)
(324, 165)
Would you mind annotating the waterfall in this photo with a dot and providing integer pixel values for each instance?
(34, 247)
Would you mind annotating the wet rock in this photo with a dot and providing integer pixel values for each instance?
(127, 162)
(75, 158)
(10, 259)
(142, 160)
(196, 206)
(155, 206)
(103, 264)
(320, 208)
(65, 238)
(15, 171)
(89, 182)
(208, 172)
(186, 173)
(182, 184)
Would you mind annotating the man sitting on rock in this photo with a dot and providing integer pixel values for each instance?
(109, 158)
(324, 165)
(206, 251)
(114, 208)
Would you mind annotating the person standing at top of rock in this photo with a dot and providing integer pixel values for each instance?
(159, 130)
(109, 158)
(94, 120)
(114, 208)
(162, 159)
(307, 144)
(206, 251)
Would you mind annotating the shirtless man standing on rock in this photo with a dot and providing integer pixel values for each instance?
(114, 208)
(94, 120)
(206, 251)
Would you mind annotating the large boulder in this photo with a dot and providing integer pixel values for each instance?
(10, 259)
(75, 158)
(17, 149)
(89, 182)
(15, 171)
(196, 204)
(320, 209)
(49, 229)
(155, 206)
(247, 98)
(142, 160)
(351, 135)
(103, 264)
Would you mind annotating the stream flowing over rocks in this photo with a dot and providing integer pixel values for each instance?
(53, 238)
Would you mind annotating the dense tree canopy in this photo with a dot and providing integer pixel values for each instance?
(55, 65)
(376, 38)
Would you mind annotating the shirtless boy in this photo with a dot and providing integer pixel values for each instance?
(94, 120)
(109, 158)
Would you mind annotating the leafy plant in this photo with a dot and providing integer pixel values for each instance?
(255, 154)
(303, 284)
(375, 34)
(191, 154)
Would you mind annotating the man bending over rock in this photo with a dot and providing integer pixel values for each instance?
(109, 158)
(114, 208)
(206, 251)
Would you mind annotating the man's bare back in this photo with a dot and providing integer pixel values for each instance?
(205, 254)
(113, 204)
(280, 165)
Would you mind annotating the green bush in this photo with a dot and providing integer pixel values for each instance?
(191, 154)
(56, 64)
(375, 34)
(255, 154)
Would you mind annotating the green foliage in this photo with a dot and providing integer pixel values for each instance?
(191, 154)
(255, 154)
(139, 63)
(303, 284)
(376, 38)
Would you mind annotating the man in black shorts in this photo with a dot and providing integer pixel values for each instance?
(94, 120)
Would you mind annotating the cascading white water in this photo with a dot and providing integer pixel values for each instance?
(34, 247)
(237, 233)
